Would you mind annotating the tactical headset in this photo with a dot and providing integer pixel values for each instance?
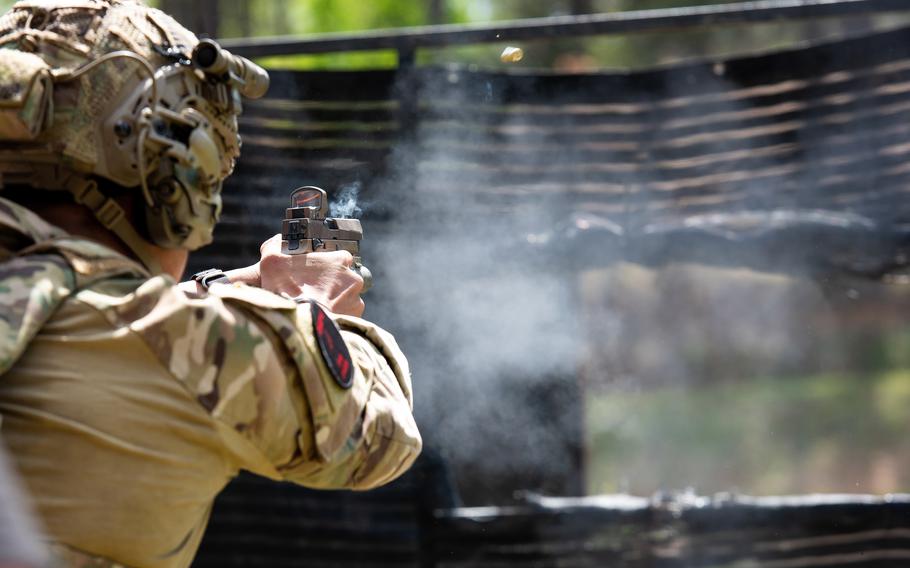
(169, 131)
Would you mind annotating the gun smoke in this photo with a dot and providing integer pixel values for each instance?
(499, 335)
(345, 202)
(492, 230)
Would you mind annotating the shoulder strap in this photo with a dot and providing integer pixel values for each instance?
(31, 289)
(39, 276)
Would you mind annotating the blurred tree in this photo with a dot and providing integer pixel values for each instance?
(201, 16)
(182, 11)
(348, 15)
(581, 6)
(236, 18)
(247, 18)
(207, 19)
(281, 23)
(319, 16)
(436, 11)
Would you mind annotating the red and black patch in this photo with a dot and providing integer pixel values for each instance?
(334, 351)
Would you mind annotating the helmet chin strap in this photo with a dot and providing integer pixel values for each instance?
(111, 215)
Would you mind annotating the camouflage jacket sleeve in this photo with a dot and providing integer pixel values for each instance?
(251, 358)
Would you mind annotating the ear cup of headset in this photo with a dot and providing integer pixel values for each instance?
(185, 190)
(204, 152)
(162, 218)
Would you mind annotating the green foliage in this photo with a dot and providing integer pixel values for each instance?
(827, 433)
(240, 18)
(301, 17)
(348, 15)
(324, 16)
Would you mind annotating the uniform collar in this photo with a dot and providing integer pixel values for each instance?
(22, 232)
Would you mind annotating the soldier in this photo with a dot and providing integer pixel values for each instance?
(129, 401)
(19, 544)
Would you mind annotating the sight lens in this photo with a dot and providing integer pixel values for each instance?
(206, 55)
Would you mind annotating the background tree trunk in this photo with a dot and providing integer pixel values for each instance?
(436, 11)
(181, 10)
(246, 17)
(200, 16)
(236, 19)
(280, 17)
(207, 12)
(581, 7)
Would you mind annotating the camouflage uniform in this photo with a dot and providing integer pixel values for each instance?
(135, 402)
(20, 544)
(127, 403)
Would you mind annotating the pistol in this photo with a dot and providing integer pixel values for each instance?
(308, 228)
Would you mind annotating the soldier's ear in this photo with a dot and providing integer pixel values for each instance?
(26, 96)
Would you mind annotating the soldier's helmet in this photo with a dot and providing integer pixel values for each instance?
(101, 92)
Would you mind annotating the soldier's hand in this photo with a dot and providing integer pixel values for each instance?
(325, 277)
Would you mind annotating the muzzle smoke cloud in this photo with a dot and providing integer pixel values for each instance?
(345, 203)
(490, 329)
(495, 332)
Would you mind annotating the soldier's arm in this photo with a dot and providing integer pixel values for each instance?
(364, 436)
(325, 277)
(296, 399)
(297, 392)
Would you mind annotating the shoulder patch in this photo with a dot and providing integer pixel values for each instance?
(332, 346)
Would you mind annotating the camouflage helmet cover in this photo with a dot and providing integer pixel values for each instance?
(114, 89)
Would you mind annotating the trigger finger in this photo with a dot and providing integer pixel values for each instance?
(347, 259)
(272, 245)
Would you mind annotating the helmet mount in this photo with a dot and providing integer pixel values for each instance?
(144, 104)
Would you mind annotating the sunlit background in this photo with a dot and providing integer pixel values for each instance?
(693, 377)
(260, 18)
